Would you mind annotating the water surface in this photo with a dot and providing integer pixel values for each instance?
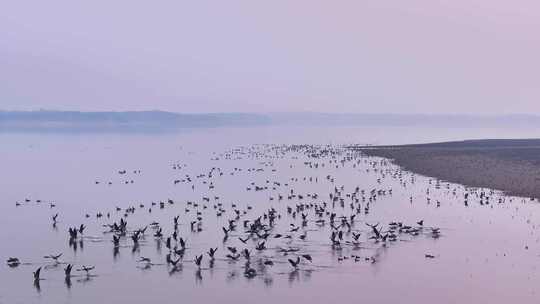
(487, 250)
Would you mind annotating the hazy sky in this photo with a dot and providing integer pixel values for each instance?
(412, 56)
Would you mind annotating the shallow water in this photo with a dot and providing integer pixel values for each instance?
(485, 253)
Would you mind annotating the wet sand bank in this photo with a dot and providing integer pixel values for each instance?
(512, 166)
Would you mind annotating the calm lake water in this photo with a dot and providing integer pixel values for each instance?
(485, 251)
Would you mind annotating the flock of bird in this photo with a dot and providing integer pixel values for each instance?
(277, 231)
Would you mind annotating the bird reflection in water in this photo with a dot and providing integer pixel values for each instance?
(37, 286)
(198, 276)
(158, 246)
(73, 244)
(85, 279)
(306, 275)
(116, 253)
(135, 248)
(231, 276)
(294, 276)
(176, 269)
(268, 281)
(67, 281)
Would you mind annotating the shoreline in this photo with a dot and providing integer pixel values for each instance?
(511, 166)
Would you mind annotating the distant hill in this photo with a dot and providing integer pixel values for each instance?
(131, 121)
(160, 121)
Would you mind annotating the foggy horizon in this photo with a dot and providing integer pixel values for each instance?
(435, 114)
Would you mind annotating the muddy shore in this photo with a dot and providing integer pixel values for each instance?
(512, 166)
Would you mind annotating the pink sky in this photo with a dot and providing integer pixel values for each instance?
(416, 56)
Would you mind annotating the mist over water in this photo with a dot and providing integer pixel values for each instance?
(486, 253)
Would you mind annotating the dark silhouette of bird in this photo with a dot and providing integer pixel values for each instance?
(145, 260)
(212, 252)
(233, 257)
(261, 246)
(116, 241)
(13, 262)
(250, 272)
(246, 253)
(37, 274)
(86, 269)
(182, 243)
(67, 270)
(175, 262)
(53, 257)
(233, 250)
(198, 260)
(307, 257)
(294, 263)
(81, 228)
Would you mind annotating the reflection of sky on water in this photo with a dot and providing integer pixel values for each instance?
(482, 246)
